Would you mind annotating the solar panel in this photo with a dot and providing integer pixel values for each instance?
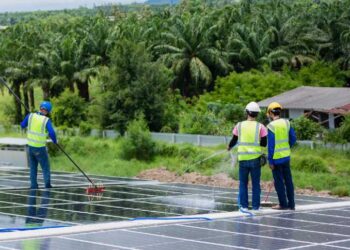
(128, 198)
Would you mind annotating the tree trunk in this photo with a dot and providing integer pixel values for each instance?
(32, 99)
(18, 107)
(26, 97)
(83, 88)
(46, 90)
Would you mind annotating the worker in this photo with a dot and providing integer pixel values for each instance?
(281, 137)
(39, 126)
(250, 136)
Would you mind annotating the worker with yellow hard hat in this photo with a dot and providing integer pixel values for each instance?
(250, 136)
(281, 137)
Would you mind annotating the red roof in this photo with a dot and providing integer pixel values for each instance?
(343, 110)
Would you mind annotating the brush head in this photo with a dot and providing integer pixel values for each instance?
(97, 189)
(95, 192)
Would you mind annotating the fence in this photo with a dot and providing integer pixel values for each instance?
(199, 140)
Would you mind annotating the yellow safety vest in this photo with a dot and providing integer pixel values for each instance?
(280, 128)
(37, 133)
(248, 140)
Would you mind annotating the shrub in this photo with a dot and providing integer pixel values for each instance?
(344, 129)
(85, 128)
(212, 119)
(138, 143)
(305, 128)
(166, 150)
(341, 134)
(341, 191)
(68, 109)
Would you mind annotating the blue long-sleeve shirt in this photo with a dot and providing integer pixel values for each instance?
(49, 127)
(271, 146)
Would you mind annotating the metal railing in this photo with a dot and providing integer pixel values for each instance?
(199, 140)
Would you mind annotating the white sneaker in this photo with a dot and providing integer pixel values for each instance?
(244, 210)
(258, 211)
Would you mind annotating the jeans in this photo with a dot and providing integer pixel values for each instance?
(39, 155)
(253, 168)
(284, 185)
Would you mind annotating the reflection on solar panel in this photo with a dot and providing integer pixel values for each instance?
(124, 199)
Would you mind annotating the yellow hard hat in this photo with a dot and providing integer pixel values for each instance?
(273, 105)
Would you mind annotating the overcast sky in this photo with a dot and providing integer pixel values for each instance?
(29, 5)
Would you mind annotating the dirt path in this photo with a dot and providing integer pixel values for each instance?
(218, 180)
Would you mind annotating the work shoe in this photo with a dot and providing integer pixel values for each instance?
(257, 211)
(278, 207)
(244, 210)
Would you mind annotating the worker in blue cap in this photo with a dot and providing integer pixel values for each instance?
(39, 126)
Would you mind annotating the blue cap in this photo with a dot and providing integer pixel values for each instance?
(46, 105)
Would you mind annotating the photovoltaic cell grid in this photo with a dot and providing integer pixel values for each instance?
(67, 204)
(290, 230)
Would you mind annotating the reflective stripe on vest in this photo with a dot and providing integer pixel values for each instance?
(37, 133)
(280, 128)
(248, 140)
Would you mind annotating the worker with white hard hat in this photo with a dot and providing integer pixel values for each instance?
(250, 136)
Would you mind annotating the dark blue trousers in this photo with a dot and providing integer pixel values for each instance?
(253, 168)
(284, 185)
(36, 156)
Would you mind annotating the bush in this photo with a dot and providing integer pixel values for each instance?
(242, 88)
(310, 164)
(138, 143)
(68, 109)
(341, 134)
(305, 128)
(85, 128)
(212, 119)
(319, 73)
(341, 191)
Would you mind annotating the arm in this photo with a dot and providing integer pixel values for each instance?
(292, 137)
(51, 131)
(263, 141)
(263, 134)
(233, 142)
(24, 123)
(270, 146)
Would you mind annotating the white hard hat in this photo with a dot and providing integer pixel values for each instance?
(252, 107)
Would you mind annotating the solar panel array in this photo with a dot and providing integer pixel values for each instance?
(124, 199)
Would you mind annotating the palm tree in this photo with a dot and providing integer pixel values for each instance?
(187, 48)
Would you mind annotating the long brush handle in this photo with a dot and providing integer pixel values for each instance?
(76, 165)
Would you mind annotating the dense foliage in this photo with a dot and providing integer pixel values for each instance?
(233, 52)
(305, 128)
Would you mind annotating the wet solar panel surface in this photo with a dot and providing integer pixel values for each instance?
(67, 204)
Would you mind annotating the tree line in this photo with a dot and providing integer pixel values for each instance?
(141, 58)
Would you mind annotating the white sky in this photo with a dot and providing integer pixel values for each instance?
(30, 5)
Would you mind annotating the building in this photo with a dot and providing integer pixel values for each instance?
(326, 105)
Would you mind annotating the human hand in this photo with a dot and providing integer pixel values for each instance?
(272, 167)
